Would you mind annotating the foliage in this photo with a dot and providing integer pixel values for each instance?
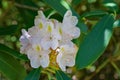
(98, 56)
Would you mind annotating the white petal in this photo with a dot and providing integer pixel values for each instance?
(25, 41)
(54, 44)
(74, 32)
(40, 23)
(68, 13)
(34, 58)
(68, 48)
(70, 60)
(31, 53)
(46, 43)
(69, 20)
(60, 62)
(50, 27)
(63, 68)
(57, 31)
(25, 33)
(38, 58)
(44, 60)
(74, 20)
(41, 15)
(35, 63)
(66, 55)
(33, 31)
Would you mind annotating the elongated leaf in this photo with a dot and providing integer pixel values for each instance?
(8, 30)
(94, 13)
(117, 23)
(12, 52)
(62, 76)
(55, 4)
(11, 68)
(34, 74)
(95, 42)
(111, 5)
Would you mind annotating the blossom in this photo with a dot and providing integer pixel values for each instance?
(66, 56)
(68, 28)
(32, 47)
(38, 57)
(48, 42)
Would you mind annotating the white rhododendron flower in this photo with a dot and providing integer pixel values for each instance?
(66, 56)
(48, 43)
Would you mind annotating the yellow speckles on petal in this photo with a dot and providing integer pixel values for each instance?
(38, 48)
(49, 29)
(60, 31)
(40, 25)
(62, 49)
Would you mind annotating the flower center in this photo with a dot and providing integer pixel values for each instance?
(53, 56)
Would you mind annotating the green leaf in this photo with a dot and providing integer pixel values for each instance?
(111, 5)
(61, 6)
(62, 76)
(116, 23)
(94, 13)
(56, 4)
(12, 52)
(95, 42)
(8, 30)
(83, 27)
(76, 2)
(28, 17)
(33, 75)
(91, 1)
(11, 68)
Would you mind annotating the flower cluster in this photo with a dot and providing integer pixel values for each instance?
(48, 42)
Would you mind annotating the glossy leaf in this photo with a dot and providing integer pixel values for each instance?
(33, 75)
(111, 5)
(11, 68)
(117, 23)
(94, 13)
(95, 42)
(62, 76)
(12, 52)
(8, 30)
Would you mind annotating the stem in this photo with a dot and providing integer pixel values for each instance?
(98, 69)
(116, 67)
